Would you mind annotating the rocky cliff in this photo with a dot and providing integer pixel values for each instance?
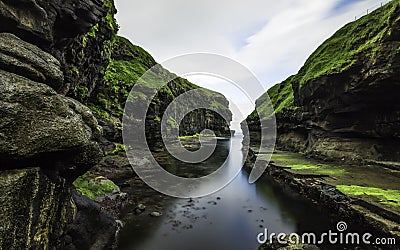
(128, 63)
(61, 67)
(47, 139)
(343, 102)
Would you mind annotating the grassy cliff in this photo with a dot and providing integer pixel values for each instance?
(127, 64)
(359, 42)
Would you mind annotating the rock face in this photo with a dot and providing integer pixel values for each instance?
(62, 29)
(92, 228)
(47, 139)
(42, 22)
(342, 104)
(34, 210)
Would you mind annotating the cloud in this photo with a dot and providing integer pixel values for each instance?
(272, 38)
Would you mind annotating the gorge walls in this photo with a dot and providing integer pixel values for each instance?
(47, 139)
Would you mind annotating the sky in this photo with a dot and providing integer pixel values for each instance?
(272, 39)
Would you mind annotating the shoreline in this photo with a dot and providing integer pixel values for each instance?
(379, 222)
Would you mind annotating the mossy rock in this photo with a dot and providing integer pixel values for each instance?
(34, 211)
(94, 186)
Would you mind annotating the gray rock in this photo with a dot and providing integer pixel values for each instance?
(116, 168)
(93, 228)
(38, 124)
(45, 21)
(25, 59)
(141, 206)
(155, 214)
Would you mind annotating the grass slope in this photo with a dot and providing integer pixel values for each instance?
(337, 54)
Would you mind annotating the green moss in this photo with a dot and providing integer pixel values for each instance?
(109, 18)
(81, 93)
(386, 196)
(91, 33)
(99, 112)
(172, 123)
(118, 148)
(94, 186)
(74, 69)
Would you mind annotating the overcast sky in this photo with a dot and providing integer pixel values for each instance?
(271, 38)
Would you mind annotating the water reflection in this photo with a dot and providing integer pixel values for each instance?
(228, 219)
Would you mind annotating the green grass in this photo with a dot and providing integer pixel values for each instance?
(296, 162)
(342, 50)
(118, 148)
(386, 196)
(303, 167)
(94, 186)
(195, 136)
(358, 41)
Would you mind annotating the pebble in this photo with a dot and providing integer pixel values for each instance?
(141, 206)
(155, 214)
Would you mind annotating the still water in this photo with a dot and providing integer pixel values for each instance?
(228, 219)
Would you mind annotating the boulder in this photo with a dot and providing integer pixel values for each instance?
(42, 128)
(25, 59)
(92, 228)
